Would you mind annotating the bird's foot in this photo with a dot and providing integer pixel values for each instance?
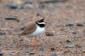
(34, 42)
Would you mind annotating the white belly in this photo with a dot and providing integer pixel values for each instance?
(38, 31)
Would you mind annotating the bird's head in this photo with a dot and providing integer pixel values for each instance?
(41, 22)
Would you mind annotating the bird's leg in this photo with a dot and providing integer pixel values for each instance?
(34, 42)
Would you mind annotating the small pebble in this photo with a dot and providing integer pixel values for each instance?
(21, 39)
(31, 53)
(42, 5)
(22, 27)
(41, 49)
(38, 14)
(69, 46)
(54, 54)
(84, 32)
(1, 54)
(79, 46)
(67, 51)
(70, 24)
(74, 31)
(68, 40)
(62, 0)
(26, 51)
(79, 24)
(27, 45)
(49, 33)
(2, 33)
(52, 49)
(53, 1)
(47, 1)
(13, 5)
(11, 18)
(83, 51)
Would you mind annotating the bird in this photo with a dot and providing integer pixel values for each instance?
(32, 29)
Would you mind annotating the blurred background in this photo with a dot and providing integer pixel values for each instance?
(65, 29)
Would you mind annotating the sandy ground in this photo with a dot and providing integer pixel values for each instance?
(65, 20)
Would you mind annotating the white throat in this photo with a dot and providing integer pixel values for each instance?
(38, 30)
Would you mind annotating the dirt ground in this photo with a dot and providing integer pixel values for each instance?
(65, 20)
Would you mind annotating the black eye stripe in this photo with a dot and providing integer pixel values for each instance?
(41, 21)
(41, 25)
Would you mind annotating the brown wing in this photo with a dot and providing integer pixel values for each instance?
(29, 28)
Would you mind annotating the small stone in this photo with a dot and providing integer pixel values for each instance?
(69, 46)
(42, 5)
(41, 49)
(49, 1)
(13, 5)
(27, 45)
(2, 33)
(68, 40)
(79, 46)
(83, 51)
(26, 51)
(31, 53)
(84, 32)
(22, 27)
(66, 51)
(46, 1)
(62, 0)
(79, 24)
(11, 18)
(69, 24)
(38, 14)
(21, 39)
(76, 38)
(49, 33)
(74, 31)
(54, 54)
(52, 49)
(1, 54)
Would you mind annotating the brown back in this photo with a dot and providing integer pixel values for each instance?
(29, 28)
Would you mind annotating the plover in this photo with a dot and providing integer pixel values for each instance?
(33, 29)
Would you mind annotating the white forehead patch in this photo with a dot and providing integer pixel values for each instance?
(41, 22)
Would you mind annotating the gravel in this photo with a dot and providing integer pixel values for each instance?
(69, 46)
(49, 33)
(54, 54)
(68, 40)
(2, 33)
(12, 18)
(73, 31)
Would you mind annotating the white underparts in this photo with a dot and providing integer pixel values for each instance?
(38, 30)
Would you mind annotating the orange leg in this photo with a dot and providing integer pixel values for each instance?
(34, 42)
